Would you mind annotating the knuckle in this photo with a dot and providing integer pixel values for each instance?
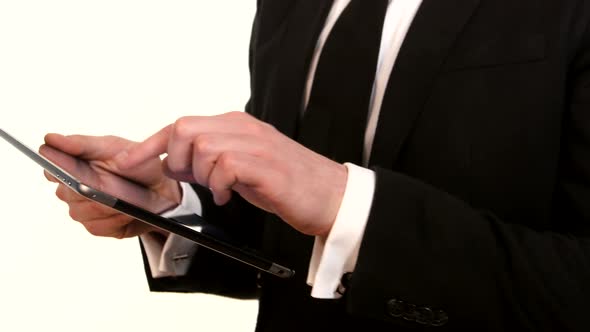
(113, 139)
(122, 234)
(227, 160)
(260, 129)
(202, 144)
(93, 228)
(61, 193)
(173, 167)
(247, 122)
(254, 128)
(235, 114)
(182, 127)
(74, 213)
(268, 127)
(121, 231)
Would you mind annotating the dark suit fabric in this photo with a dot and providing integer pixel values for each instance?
(482, 157)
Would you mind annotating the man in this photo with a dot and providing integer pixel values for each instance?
(472, 210)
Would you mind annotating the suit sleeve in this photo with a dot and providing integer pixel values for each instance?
(211, 272)
(429, 257)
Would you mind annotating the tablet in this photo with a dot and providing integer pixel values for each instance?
(78, 176)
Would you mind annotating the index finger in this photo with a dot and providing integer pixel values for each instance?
(152, 147)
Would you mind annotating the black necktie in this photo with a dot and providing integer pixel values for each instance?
(336, 116)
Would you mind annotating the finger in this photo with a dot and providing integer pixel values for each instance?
(136, 228)
(67, 195)
(85, 211)
(83, 169)
(152, 147)
(50, 177)
(208, 148)
(110, 227)
(63, 143)
(120, 226)
(235, 169)
(204, 159)
(184, 130)
(60, 158)
(181, 130)
(184, 176)
(146, 174)
(180, 142)
(86, 147)
(183, 133)
(76, 167)
(232, 122)
(221, 182)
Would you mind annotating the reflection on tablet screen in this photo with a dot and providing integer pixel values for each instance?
(97, 177)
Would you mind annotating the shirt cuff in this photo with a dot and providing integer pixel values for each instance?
(172, 255)
(337, 253)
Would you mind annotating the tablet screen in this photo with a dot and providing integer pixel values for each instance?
(95, 175)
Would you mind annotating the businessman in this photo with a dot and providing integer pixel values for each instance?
(421, 164)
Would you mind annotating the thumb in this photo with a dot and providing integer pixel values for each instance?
(87, 147)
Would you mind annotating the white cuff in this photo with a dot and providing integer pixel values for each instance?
(172, 256)
(190, 203)
(337, 253)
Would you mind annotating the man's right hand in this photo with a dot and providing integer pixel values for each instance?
(101, 153)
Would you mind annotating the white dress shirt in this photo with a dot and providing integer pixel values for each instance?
(337, 253)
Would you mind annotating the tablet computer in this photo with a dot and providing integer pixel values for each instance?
(77, 175)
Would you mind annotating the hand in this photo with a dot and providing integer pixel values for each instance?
(235, 151)
(99, 152)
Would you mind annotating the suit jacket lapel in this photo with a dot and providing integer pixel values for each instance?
(430, 38)
(304, 26)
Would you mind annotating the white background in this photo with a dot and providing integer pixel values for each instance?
(122, 67)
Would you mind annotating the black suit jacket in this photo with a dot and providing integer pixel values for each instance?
(481, 215)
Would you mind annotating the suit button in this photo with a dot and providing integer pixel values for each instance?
(346, 280)
(409, 313)
(395, 308)
(440, 318)
(424, 315)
